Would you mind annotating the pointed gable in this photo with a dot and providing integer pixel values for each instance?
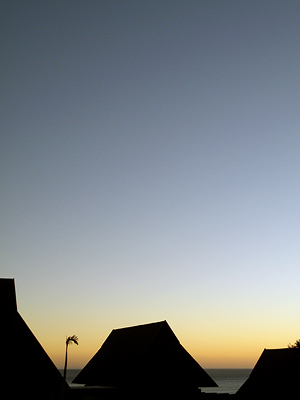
(142, 355)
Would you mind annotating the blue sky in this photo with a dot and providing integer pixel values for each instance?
(149, 171)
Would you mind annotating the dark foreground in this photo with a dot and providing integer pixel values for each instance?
(94, 393)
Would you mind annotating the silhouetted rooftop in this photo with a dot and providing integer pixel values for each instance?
(277, 372)
(26, 369)
(144, 355)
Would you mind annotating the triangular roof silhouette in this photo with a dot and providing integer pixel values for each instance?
(26, 369)
(276, 373)
(144, 355)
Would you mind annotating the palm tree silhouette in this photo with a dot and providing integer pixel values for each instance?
(69, 340)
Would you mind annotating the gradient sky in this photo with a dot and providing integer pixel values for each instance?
(150, 155)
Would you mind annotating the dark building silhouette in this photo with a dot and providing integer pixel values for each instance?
(26, 371)
(276, 373)
(144, 358)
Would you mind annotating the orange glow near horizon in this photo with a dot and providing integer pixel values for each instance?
(79, 356)
(213, 358)
(216, 338)
(218, 350)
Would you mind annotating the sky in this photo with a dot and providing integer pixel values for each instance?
(149, 168)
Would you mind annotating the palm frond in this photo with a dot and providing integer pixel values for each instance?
(72, 339)
(296, 345)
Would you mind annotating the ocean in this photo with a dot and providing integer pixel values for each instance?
(229, 380)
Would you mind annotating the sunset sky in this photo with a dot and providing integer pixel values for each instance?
(149, 169)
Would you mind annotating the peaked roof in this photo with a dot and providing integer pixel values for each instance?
(25, 367)
(277, 372)
(143, 355)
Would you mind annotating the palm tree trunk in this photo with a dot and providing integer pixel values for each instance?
(65, 374)
(66, 361)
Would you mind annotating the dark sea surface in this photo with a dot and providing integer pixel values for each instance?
(229, 380)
